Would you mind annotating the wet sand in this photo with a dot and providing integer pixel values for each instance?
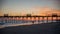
(45, 28)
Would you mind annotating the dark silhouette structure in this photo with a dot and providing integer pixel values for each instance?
(54, 15)
(5, 15)
(28, 15)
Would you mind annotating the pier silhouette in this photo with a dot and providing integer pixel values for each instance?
(29, 16)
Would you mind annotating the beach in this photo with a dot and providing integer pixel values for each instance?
(44, 28)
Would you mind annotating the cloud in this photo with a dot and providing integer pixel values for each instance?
(33, 11)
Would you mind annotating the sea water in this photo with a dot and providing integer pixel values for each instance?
(5, 22)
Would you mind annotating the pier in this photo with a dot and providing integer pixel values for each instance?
(6, 18)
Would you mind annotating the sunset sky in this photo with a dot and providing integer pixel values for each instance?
(34, 7)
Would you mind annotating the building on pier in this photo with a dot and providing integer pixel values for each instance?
(28, 15)
(54, 15)
(5, 15)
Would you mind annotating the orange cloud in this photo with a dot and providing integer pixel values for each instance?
(49, 11)
(43, 11)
